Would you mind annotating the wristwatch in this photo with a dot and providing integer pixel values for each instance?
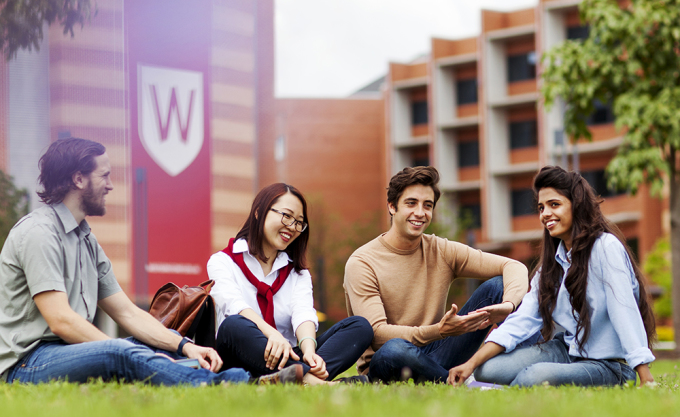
(184, 341)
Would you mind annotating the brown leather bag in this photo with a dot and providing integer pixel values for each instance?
(189, 310)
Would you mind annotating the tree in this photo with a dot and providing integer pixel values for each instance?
(13, 205)
(632, 59)
(21, 21)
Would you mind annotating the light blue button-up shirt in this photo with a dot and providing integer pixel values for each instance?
(616, 328)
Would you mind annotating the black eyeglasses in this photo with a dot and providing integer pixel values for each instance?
(288, 220)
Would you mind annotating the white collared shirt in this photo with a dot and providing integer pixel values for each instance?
(233, 293)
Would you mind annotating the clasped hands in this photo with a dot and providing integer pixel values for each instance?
(454, 325)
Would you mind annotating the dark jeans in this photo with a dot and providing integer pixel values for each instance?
(115, 359)
(399, 360)
(241, 344)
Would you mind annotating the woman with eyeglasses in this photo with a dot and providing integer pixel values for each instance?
(263, 297)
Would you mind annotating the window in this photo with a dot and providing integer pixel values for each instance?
(522, 67)
(598, 181)
(419, 113)
(523, 134)
(468, 154)
(603, 114)
(280, 149)
(578, 32)
(421, 161)
(471, 213)
(523, 202)
(419, 156)
(466, 91)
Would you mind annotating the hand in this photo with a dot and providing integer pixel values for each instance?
(277, 348)
(207, 357)
(497, 313)
(646, 378)
(459, 374)
(454, 325)
(318, 365)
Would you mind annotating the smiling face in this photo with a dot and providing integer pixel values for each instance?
(277, 236)
(93, 201)
(413, 212)
(556, 215)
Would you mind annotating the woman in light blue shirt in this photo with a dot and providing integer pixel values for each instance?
(588, 283)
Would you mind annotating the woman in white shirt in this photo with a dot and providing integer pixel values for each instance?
(263, 297)
(588, 283)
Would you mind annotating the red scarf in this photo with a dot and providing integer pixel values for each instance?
(265, 293)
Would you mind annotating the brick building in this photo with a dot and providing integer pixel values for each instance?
(80, 86)
(472, 109)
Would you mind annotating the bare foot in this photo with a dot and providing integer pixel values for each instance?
(310, 379)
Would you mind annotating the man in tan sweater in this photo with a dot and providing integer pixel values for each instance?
(400, 281)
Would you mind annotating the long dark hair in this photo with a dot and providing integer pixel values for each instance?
(61, 161)
(588, 223)
(253, 229)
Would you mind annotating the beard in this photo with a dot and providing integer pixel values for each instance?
(92, 204)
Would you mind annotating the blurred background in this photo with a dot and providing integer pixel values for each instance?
(200, 104)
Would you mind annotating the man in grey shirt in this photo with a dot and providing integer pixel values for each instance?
(53, 274)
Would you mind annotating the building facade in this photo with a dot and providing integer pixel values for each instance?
(91, 86)
(472, 109)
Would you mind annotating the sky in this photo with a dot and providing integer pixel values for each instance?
(331, 48)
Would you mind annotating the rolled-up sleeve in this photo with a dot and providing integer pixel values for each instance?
(302, 302)
(521, 324)
(107, 284)
(622, 307)
(42, 260)
(226, 292)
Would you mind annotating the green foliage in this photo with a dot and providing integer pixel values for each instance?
(632, 58)
(442, 225)
(13, 205)
(332, 240)
(405, 399)
(21, 21)
(657, 269)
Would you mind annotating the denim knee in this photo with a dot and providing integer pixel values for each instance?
(535, 374)
(396, 350)
(232, 325)
(363, 329)
(488, 373)
(123, 348)
(493, 287)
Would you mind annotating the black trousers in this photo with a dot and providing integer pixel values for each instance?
(241, 344)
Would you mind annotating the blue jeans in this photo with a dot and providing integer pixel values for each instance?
(115, 359)
(551, 363)
(399, 360)
(241, 344)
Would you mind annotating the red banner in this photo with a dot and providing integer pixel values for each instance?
(168, 46)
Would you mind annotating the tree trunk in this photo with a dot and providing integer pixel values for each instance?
(675, 250)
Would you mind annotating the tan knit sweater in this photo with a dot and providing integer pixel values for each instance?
(403, 293)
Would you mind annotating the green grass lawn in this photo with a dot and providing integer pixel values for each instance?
(110, 399)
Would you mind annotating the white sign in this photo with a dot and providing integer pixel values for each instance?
(170, 103)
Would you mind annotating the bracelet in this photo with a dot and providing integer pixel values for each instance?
(305, 338)
(184, 341)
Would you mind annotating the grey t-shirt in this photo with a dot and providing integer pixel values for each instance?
(48, 251)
